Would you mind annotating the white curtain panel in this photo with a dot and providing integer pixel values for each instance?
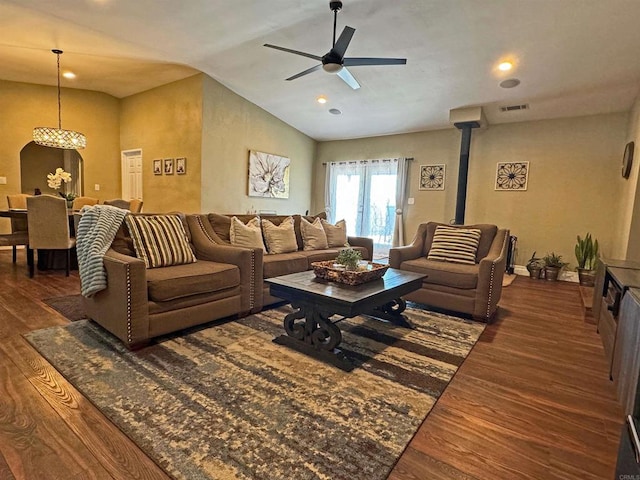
(401, 191)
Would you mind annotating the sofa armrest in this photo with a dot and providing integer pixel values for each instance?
(415, 249)
(490, 275)
(364, 242)
(123, 307)
(248, 260)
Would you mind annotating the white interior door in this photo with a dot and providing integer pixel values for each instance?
(132, 174)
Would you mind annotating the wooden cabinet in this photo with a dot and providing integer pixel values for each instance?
(626, 357)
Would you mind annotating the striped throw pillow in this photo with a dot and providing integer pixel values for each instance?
(456, 245)
(160, 240)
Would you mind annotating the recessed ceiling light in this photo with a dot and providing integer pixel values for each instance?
(505, 66)
(69, 75)
(335, 111)
(321, 99)
(510, 83)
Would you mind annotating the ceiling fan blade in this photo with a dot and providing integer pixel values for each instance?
(349, 79)
(356, 61)
(295, 52)
(307, 71)
(343, 41)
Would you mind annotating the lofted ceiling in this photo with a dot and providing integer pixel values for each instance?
(572, 57)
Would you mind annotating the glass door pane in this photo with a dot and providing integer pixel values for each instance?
(381, 207)
(348, 202)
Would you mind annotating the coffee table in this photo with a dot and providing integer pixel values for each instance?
(310, 329)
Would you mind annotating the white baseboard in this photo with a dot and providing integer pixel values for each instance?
(565, 276)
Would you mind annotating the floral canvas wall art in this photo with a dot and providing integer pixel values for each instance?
(432, 177)
(512, 176)
(268, 175)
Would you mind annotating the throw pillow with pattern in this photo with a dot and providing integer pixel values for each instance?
(455, 245)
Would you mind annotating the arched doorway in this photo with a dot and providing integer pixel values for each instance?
(36, 162)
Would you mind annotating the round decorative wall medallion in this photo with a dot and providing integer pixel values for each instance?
(627, 159)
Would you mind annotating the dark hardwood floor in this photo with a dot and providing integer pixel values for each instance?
(531, 401)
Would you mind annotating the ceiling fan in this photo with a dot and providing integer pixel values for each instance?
(335, 61)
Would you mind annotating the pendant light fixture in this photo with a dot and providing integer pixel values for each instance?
(57, 137)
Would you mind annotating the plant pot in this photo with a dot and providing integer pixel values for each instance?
(551, 273)
(534, 272)
(69, 204)
(586, 277)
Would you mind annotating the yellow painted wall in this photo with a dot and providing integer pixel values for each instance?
(231, 127)
(574, 183)
(166, 122)
(628, 221)
(24, 106)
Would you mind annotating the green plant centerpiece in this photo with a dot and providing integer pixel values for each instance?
(587, 254)
(534, 266)
(552, 265)
(349, 258)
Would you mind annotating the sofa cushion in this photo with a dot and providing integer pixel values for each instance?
(313, 236)
(279, 238)
(456, 275)
(160, 240)
(249, 235)
(180, 281)
(336, 234)
(283, 264)
(455, 245)
(221, 224)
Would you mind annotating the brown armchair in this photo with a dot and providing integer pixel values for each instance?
(471, 289)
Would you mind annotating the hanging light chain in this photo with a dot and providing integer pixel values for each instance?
(58, 52)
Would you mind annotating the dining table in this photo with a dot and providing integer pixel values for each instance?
(50, 259)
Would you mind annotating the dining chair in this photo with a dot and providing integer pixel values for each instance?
(48, 223)
(80, 202)
(118, 202)
(135, 205)
(18, 235)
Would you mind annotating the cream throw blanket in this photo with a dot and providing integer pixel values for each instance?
(96, 230)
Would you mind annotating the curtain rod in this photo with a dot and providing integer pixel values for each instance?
(365, 161)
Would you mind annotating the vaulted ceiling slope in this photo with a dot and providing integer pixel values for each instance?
(572, 57)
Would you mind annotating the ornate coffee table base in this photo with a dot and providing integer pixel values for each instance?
(310, 330)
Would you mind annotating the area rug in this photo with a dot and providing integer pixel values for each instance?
(225, 402)
(70, 306)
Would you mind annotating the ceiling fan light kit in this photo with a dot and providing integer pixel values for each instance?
(57, 137)
(334, 61)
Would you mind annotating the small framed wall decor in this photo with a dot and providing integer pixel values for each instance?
(512, 176)
(432, 177)
(168, 166)
(157, 167)
(181, 166)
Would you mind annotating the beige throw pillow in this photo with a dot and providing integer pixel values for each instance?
(248, 235)
(336, 234)
(313, 236)
(280, 238)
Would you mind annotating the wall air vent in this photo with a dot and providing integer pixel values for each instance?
(513, 108)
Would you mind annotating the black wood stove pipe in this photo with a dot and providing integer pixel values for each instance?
(463, 170)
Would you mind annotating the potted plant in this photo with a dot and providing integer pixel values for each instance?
(552, 265)
(349, 258)
(587, 254)
(534, 266)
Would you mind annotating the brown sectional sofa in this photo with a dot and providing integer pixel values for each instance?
(140, 304)
(215, 228)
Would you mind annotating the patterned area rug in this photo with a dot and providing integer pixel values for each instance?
(225, 402)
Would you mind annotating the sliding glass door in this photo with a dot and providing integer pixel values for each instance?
(363, 194)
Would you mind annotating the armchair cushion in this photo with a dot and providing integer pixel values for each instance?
(160, 240)
(455, 245)
(181, 281)
(454, 275)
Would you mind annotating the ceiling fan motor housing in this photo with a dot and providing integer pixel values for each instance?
(335, 6)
